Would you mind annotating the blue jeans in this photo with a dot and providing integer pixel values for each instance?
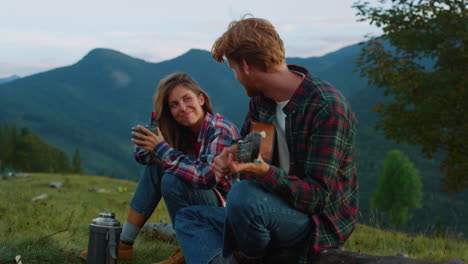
(254, 222)
(176, 192)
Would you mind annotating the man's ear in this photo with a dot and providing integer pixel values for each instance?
(246, 67)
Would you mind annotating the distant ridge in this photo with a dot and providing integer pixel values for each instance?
(195, 53)
(100, 55)
(9, 79)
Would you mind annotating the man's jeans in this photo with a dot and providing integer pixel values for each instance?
(177, 193)
(254, 222)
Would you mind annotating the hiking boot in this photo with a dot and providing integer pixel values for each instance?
(176, 258)
(125, 252)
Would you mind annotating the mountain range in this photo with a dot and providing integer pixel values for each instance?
(92, 105)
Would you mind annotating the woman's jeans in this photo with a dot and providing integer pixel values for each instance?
(254, 222)
(176, 192)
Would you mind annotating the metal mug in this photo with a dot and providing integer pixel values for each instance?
(152, 128)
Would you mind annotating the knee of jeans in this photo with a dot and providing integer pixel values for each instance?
(243, 192)
(238, 190)
(181, 216)
(171, 185)
(241, 200)
(150, 174)
(185, 215)
(151, 168)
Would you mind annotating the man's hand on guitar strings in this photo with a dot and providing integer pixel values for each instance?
(259, 167)
(225, 163)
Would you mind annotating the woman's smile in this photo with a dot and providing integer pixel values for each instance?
(186, 107)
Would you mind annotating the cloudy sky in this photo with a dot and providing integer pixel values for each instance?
(40, 35)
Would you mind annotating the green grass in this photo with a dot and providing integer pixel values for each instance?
(33, 229)
(373, 241)
(25, 225)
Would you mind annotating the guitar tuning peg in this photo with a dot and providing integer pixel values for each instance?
(263, 134)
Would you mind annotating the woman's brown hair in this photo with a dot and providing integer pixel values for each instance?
(253, 39)
(178, 136)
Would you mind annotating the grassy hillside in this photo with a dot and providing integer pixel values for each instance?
(26, 225)
(33, 229)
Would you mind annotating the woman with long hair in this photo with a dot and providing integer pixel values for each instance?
(178, 156)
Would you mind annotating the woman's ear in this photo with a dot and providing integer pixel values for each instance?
(201, 99)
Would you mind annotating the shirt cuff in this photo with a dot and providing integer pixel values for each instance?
(162, 150)
(271, 179)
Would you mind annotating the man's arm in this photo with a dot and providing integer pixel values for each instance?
(324, 155)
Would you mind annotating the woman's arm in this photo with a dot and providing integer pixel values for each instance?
(217, 136)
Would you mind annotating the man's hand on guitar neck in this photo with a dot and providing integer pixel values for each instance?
(225, 164)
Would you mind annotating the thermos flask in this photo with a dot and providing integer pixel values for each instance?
(104, 237)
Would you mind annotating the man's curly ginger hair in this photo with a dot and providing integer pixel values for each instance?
(253, 39)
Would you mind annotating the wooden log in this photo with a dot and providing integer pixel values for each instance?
(336, 256)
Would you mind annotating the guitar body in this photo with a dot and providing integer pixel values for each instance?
(267, 141)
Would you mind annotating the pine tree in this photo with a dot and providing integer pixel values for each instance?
(7, 147)
(77, 162)
(20, 155)
(399, 188)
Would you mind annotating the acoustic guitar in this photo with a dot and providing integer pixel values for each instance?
(259, 141)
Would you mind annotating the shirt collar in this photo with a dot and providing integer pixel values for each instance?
(268, 109)
(297, 97)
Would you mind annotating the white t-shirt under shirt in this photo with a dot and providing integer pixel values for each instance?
(283, 150)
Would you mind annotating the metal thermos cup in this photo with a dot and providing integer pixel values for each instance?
(104, 237)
